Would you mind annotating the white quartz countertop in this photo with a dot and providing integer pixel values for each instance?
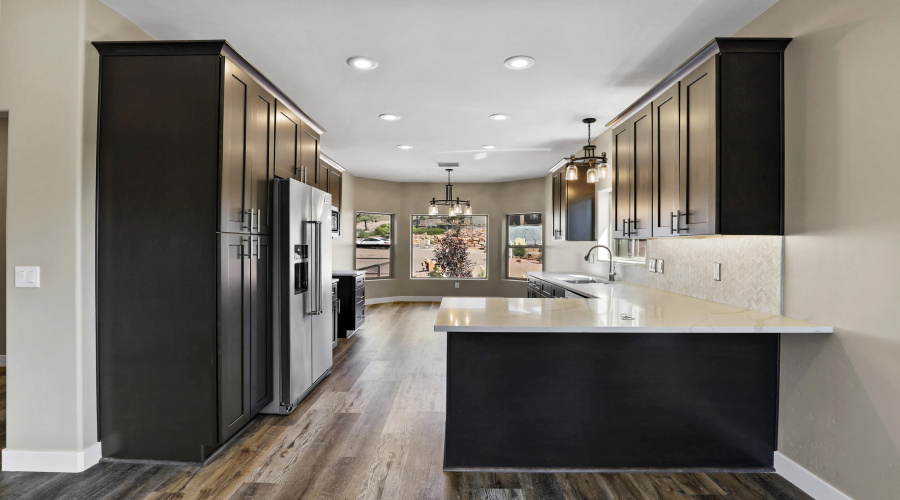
(608, 310)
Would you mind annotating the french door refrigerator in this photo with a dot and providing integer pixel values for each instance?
(302, 294)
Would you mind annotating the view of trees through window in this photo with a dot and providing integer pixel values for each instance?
(446, 246)
(524, 244)
(373, 244)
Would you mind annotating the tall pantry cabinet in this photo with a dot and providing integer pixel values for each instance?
(189, 140)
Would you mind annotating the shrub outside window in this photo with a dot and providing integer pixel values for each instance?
(445, 246)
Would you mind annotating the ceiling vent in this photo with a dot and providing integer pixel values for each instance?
(442, 164)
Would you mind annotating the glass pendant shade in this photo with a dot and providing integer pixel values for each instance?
(432, 210)
(591, 175)
(468, 209)
(571, 173)
(604, 172)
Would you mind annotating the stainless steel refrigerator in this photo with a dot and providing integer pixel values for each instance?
(302, 322)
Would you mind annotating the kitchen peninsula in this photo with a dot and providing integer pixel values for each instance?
(628, 378)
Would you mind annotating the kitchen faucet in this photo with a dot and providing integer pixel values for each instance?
(612, 268)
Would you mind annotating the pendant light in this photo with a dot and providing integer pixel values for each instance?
(589, 160)
(455, 205)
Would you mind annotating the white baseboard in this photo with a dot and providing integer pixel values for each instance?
(404, 298)
(2, 359)
(51, 461)
(802, 478)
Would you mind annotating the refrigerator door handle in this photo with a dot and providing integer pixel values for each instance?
(311, 307)
(319, 267)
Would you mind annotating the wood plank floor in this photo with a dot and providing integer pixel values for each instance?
(373, 429)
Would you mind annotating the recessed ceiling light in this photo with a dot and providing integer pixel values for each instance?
(389, 117)
(499, 117)
(519, 62)
(363, 63)
(404, 146)
(488, 146)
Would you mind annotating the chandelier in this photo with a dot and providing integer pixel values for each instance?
(456, 205)
(589, 160)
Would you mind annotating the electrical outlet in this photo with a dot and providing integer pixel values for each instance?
(659, 266)
(457, 284)
(651, 265)
(717, 271)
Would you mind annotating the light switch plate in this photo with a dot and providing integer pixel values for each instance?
(28, 276)
(651, 265)
(659, 265)
(717, 271)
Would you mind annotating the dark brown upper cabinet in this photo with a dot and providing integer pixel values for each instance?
(334, 186)
(717, 152)
(666, 160)
(574, 207)
(287, 143)
(261, 158)
(558, 196)
(309, 159)
(632, 176)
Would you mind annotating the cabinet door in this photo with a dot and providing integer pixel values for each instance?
(334, 187)
(555, 193)
(642, 134)
(309, 157)
(260, 324)
(233, 341)
(261, 142)
(580, 209)
(622, 181)
(287, 142)
(666, 160)
(698, 150)
(235, 206)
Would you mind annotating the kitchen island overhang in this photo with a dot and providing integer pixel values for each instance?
(571, 385)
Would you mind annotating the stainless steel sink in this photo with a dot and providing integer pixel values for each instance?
(582, 281)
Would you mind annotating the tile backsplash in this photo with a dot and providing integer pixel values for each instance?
(751, 268)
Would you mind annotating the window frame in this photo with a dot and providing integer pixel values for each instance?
(392, 252)
(487, 233)
(509, 246)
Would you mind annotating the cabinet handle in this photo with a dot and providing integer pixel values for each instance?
(256, 240)
(258, 218)
(248, 227)
(676, 221)
(245, 254)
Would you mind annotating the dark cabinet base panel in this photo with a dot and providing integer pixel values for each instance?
(612, 401)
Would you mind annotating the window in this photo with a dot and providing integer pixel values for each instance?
(373, 244)
(445, 246)
(524, 244)
(630, 250)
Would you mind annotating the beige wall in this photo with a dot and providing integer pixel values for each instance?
(51, 99)
(405, 199)
(840, 395)
(343, 249)
(4, 130)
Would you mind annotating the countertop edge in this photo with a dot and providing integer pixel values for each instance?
(626, 329)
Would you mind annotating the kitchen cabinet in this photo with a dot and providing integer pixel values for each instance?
(632, 177)
(334, 186)
(184, 282)
(558, 195)
(246, 172)
(352, 294)
(666, 160)
(717, 149)
(574, 202)
(309, 160)
(287, 143)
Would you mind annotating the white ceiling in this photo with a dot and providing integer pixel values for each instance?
(441, 68)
